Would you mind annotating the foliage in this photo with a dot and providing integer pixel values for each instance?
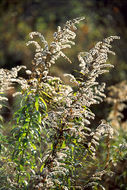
(51, 141)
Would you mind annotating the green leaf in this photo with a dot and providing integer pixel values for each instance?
(36, 102)
(63, 144)
(46, 94)
(39, 118)
(28, 94)
(33, 146)
(52, 146)
(69, 182)
(72, 150)
(41, 169)
(84, 107)
(75, 142)
(0, 147)
(21, 167)
(1, 118)
(44, 103)
(28, 175)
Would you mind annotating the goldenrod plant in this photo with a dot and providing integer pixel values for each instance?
(51, 138)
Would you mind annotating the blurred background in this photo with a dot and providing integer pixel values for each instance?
(103, 18)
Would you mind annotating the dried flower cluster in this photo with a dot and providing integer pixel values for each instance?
(62, 111)
(7, 80)
(71, 114)
(117, 97)
(46, 56)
